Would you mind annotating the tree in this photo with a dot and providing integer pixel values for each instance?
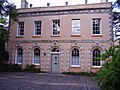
(116, 4)
(3, 39)
(6, 10)
(116, 20)
(108, 77)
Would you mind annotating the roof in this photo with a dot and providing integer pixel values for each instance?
(105, 5)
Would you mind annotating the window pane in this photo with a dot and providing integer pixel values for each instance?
(75, 56)
(76, 27)
(37, 56)
(75, 23)
(96, 54)
(19, 55)
(21, 28)
(55, 50)
(37, 27)
(96, 26)
(56, 27)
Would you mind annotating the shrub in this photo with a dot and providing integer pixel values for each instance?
(3, 67)
(108, 77)
(31, 68)
(14, 68)
(10, 68)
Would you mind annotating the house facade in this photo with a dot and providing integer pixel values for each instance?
(61, 38)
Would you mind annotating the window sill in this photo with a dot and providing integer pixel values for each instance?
(73, 35)
(55, 36)
(96, 66)
(20, 36)
(35, 36)
(75, 65)
(35, 64)
(19, 63)
(96, 35)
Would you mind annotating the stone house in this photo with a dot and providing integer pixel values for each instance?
(61, 38)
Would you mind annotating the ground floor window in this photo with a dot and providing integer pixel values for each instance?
(36, 59)
(96, 54)
(19, 56)
(75, 56)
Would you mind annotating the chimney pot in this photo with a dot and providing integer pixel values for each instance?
(30, 5)
(48, 4)
(66, 3)
(86, 1)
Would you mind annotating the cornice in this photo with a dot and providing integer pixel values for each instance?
(63, 10)
(61, 41)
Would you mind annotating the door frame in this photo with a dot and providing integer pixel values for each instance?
(52, 62)
(58, 53)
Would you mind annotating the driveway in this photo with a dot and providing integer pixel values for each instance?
(42, 81)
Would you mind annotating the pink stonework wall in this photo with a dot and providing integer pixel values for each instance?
(64, 45)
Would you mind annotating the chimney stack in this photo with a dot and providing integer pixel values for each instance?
(24, 4)
(103, 1)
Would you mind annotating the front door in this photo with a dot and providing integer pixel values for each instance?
(55, 64)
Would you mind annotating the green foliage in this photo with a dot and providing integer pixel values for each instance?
(8, 9)
(80, 73)
(3, 39)
(10, 68)
(14, 68)
(31, 68)
(116, 4)
(108, 77)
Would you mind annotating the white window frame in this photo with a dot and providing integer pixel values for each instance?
(77, 27)
(17, 56)
(99, 27)
(57, 27)
(72, 59)
(35, 28)
(100, 60)
(33, 57)
(18, 29)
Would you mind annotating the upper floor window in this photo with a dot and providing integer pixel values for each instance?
(75, 57)
(96, 26)
(19, 56)
(36, 56)
(37, 28)
(96, 54)
(56, 28)
(20, 29)
(76, 27)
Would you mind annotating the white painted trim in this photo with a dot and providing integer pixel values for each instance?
(36, 64)
(37, 35)
(100, 26)
(55, 52)
(33, 57)
(75, 65)
(52, 28)
(19, 30)
(72, 33)
(34, 28)
(16, 57)
(96, 66)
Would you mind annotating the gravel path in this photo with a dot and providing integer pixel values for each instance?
(41, 81)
